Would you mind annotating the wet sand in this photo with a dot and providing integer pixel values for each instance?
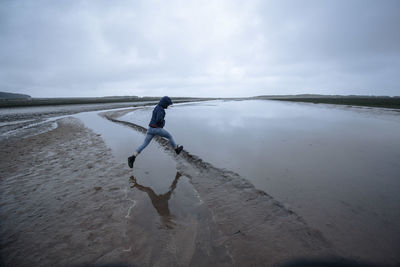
(12, 120)
(255, 229)
(67, 200)
(336, 167)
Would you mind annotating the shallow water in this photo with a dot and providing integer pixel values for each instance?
(66, 200)
(336, 167)
(165, 203)
(18, 121)
(168, 192)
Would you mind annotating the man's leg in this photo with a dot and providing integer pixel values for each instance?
(149, 136)
(146, 142)
(164, 133)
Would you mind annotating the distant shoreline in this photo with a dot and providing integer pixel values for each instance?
(8, 103)
(363, 101)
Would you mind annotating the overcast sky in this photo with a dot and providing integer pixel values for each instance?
(199, 48)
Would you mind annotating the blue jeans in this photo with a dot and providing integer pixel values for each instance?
(151, 132)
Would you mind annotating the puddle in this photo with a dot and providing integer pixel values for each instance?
(166, 215)
(333, 169)
(312, 158)
(154, 174)
(329, 168)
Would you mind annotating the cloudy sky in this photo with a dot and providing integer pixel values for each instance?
(199, 48)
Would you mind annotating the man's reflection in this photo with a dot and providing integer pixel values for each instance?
(160, 202)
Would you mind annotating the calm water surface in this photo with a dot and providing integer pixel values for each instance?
(336, 167)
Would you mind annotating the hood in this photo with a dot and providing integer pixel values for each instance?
(165, 102)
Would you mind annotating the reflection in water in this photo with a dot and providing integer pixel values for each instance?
(160, 202)
(347, 158)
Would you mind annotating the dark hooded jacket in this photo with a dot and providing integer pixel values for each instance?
(157, 119)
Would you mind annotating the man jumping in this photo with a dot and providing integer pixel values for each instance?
(156, 128)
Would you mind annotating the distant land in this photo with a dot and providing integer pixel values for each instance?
(21, 100)
(11, 100)
(350, 100)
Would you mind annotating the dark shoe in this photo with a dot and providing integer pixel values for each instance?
(178, 149)
(131, 160)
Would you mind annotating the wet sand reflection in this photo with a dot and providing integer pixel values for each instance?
(160, 202)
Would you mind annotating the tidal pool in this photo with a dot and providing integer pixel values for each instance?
(337, 167)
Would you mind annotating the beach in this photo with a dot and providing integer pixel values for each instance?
(68, 199)
(281, 125)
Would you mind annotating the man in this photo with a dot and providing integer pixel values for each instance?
(156, 128)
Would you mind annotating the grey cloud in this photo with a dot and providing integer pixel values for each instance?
(219, 48)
